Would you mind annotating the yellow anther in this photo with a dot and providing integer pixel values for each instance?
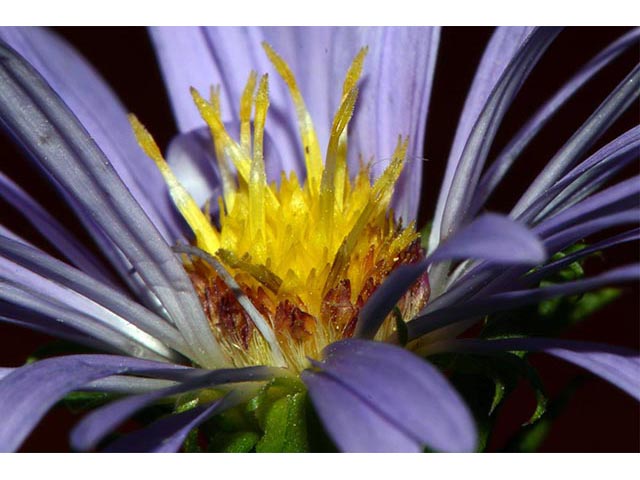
(228, 182)
(355, 71)
(351, 80)
(328, 185)
(258, 177)
(206, 237)
(246, 103)
(310, 145)
(211, 116)
(240, 159)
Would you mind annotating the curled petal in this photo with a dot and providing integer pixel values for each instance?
(491, 237)
(488, 304)
(39, 120)
(167, 434)
(619, 366)
(375, 397)
(95, 426)
(100, 111)
(28, 392)
(502, 48)
(505, 159)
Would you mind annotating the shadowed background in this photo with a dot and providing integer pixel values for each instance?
(598, 417)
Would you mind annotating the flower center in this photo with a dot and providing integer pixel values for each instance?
(300, 259)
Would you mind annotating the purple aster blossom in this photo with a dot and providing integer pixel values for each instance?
(370, 395)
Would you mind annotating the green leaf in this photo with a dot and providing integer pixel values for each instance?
(78, 402)
(285, 426)
(485, 381)
(591, 302)
(530, 437)
(551, 317)
(424, 235)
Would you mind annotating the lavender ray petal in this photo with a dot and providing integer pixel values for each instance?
(168, 434)
(192, 159)
(46, 298)
(615, 199)
(485, 305)
(569, 236)
(374, 396)
(483, 280)
(587, 177)
(491, 237)
(505, 159)
(471, 163)
(28, 392)
(55, 138)
(202, 57)
(385, 297)
(394, 100)
(351, 423)
(608, 111)
(23, 317)
(52, 230)
(394, 96)
(500, 51)
(553, 267)
(125, 385)
(617, 365)
(42, 264)
(96, 425)
(494, 238)
(99, 110)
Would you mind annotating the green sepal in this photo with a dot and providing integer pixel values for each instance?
(285, 426)
(236, 442)
(271, 392)
(191, 443)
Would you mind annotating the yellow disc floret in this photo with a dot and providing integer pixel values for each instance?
(305, 255)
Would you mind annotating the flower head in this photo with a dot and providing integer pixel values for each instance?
(296, 273)
(305, 255)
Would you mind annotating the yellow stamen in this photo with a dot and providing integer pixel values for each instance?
(246, 103)
(228, 183)
(328, 186)
(258, 177)
(206, 236)
(350, 82)
(312, 154)
(240, 159)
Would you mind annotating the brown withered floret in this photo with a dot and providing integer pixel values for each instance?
(289, 317)
(298, 323)
(220, 305)
(337, 306)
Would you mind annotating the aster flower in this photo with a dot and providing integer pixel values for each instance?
(246, 278)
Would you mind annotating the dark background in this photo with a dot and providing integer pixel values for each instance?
(598, 417)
